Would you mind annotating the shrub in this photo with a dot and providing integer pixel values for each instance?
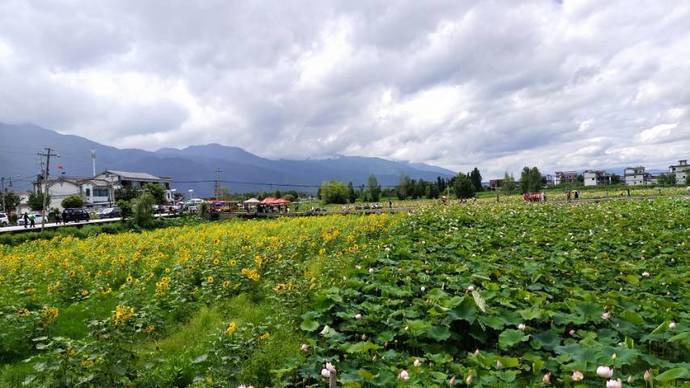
(143, 210)
(73, 201)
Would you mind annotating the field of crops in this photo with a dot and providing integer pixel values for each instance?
(484, 294)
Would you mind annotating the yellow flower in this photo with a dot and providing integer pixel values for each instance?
(264, 336)
(251, 274)
(84, 293)
(122, 314)
(149, 329)
(232, 262)
(23, 312)
(86, 363)
(226, 284)
(50, 314)
(209, 280)
(231, 329)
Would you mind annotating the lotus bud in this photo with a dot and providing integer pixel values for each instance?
(671, 325)
(547, 378)
(647, 375)
(470, 288)
(476, 352)
(522, 326)
(577, 376)
(499, 364)
(469, 379)
(403, 375)
(605, 316)
(423, 288)
(452, 381)
(325, 373)
(417, 363)
(364, 337)
(371, 270)
(330, 367)
(613, 356)
(614, 384)
(572, 332)
(645, 274)
(304, 348)
(358, 316)
(604, 372)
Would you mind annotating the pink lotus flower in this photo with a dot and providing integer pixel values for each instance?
(547, 378)
(417, 363)
(577, 376)
(604, 372)
(403, 375)
(325, 373)
(304, 348)
(605, 316)
(614, 384)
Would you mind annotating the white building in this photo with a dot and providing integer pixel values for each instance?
(595, 177)
(636, 176)
(135, 180)
(682, 170)
(94, 192)
(562, 177)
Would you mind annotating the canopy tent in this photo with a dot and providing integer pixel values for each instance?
(251, 201)
(275, 201)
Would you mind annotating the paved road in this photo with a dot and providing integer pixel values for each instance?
(54, 225)
(10, 229)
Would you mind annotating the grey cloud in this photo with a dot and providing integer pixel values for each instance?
(458, 84)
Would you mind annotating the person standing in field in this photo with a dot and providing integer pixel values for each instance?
(32, 218)
(26, 220)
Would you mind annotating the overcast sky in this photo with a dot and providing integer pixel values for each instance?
(496, 84)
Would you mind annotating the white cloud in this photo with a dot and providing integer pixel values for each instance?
(572, 84)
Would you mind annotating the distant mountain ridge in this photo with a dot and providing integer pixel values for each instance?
(194, 166)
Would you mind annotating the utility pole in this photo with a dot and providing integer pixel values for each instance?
(2, 192)
(46, 172)
(216, 187)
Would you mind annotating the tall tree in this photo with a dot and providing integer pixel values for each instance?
(11, 200)
(404, 187)
(374, 188)
(536, 183)
(351, 195)
(333, 192)
(463, 186)
(508, 184)
(476, 178)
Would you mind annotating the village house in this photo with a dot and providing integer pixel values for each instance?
(562, 177)
(637, 176)
(95, 192)
(682, 170)
(135, 180)
(595, 177)
(495, 184)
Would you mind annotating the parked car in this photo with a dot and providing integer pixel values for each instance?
(38, 218)
(110, 212)
(75, 214)
(4, 219)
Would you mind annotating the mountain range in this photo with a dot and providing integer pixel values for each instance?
(193, 167)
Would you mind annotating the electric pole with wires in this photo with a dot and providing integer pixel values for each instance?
(46, 173)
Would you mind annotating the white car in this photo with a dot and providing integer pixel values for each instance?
(4, 219)
(37, 219)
